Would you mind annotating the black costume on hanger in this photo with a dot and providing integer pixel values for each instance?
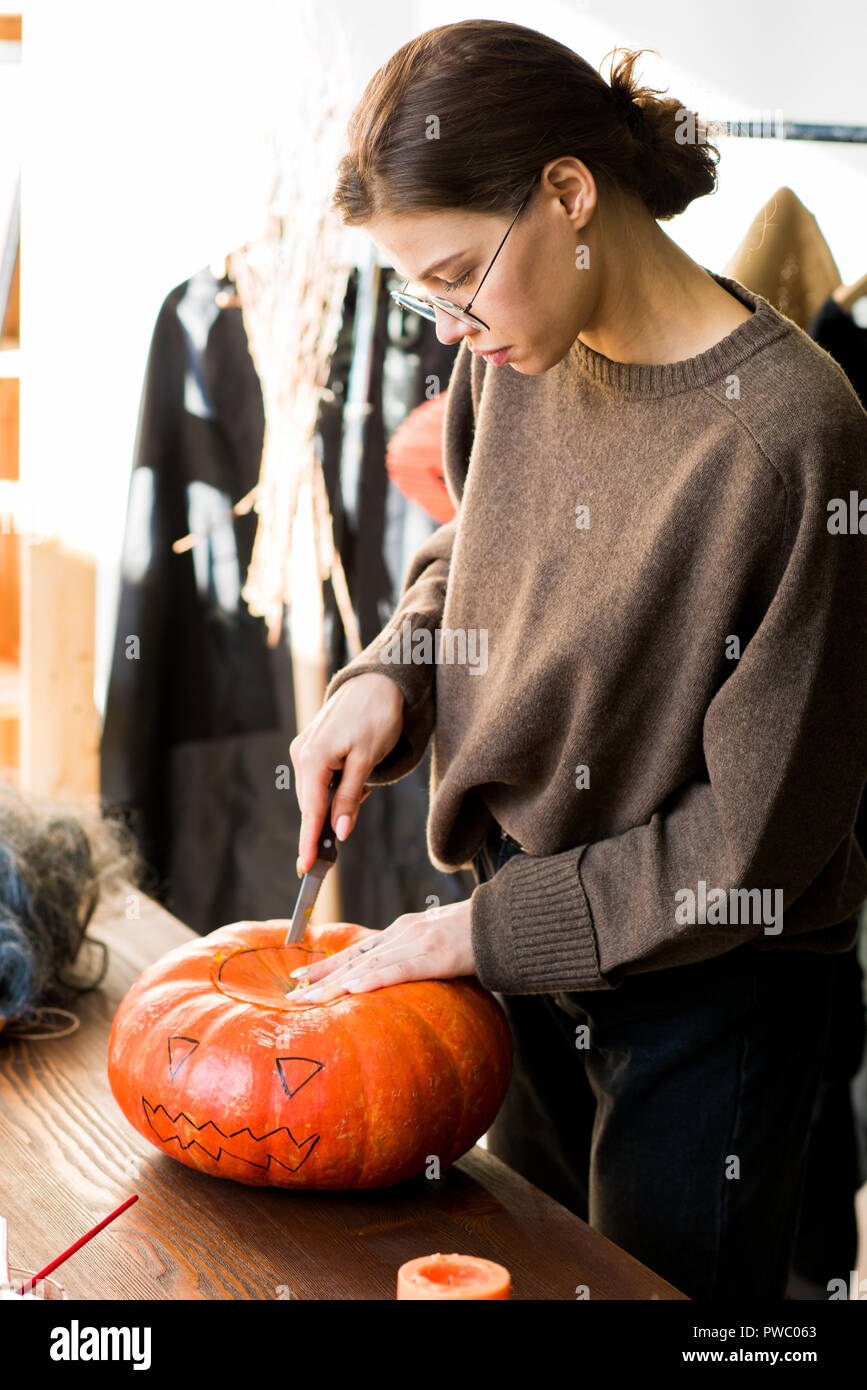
(199, 711)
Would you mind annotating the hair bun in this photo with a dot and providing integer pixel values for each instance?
(627, 105)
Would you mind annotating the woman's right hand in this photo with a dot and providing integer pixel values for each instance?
(352, 732)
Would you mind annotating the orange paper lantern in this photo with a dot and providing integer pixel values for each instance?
(414, 459)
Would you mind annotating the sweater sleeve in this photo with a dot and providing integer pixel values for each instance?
(785, 765)
(422, 597)
(421, 605)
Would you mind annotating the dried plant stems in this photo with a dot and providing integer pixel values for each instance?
(291, 282)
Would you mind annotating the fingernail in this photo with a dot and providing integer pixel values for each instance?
(302, 970)
(342, 827)
(298, 867)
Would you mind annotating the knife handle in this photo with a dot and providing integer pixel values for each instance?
(327, 846)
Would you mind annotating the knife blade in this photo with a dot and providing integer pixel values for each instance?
(326, 856)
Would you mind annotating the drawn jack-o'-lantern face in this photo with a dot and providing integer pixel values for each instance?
(279, 1146)
(213, 1064)
(260, 975)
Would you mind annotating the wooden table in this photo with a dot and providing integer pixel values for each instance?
(69, 1157)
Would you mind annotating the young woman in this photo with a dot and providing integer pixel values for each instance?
(656, 768)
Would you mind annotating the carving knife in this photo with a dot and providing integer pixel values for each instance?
(326, 855)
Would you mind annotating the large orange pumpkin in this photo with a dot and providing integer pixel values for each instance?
(211, 1062)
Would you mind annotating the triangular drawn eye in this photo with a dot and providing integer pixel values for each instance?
(295, 1072)
(180, 1049)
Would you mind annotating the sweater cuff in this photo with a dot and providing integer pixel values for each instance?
(532, 930)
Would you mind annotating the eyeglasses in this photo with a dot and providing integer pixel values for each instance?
(424, 304)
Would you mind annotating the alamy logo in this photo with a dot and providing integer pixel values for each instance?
(75, 1343)
(454, 646)
(739, 905)
(848, 518)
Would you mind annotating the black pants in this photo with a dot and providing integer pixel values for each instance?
(674, 1112)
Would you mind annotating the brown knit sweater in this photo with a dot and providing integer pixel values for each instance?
(670, 705)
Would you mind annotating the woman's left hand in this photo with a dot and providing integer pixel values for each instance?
(432, 945)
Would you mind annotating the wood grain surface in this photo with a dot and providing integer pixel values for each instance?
(68, 1157)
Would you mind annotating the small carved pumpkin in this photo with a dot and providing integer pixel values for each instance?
(211, 1062)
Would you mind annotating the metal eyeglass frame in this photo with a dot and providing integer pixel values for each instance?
(425, 305)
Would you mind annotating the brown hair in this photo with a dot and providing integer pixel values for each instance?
(507, 100)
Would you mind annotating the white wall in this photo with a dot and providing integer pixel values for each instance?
(143, 161)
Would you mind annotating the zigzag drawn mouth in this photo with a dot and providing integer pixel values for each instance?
(282, 1148)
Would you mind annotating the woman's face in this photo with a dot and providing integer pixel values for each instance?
(538, 294)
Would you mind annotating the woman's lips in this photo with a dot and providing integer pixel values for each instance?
(496, 358)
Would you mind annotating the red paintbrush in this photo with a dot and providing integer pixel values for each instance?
(28, 1285)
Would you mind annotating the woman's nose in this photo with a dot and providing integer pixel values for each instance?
(449, 329)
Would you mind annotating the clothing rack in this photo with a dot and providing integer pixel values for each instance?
(791, 130)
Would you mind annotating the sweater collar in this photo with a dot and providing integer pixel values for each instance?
(667, 378)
